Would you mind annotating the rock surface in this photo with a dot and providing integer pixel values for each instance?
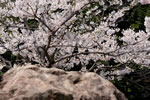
(36, 83)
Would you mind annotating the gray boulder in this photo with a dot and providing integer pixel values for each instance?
(37, 83)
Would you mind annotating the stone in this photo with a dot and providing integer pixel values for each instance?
(37, 83)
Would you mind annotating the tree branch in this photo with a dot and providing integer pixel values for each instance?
(82, 53)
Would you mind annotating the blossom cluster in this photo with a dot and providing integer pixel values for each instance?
(53, 41)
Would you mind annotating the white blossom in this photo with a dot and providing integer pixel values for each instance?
(53, 35)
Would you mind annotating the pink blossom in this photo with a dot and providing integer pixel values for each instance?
(145, 2)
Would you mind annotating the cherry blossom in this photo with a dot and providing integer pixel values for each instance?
(53, 40)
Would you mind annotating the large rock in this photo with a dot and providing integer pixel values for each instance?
(36, 83)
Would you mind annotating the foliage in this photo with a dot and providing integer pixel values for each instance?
(32, 24)
(1, 76)
(9, 59)
(1, 73)
(135, 18)
(136, 85)
(90, 19)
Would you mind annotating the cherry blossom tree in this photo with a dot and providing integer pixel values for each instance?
(72, 33)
